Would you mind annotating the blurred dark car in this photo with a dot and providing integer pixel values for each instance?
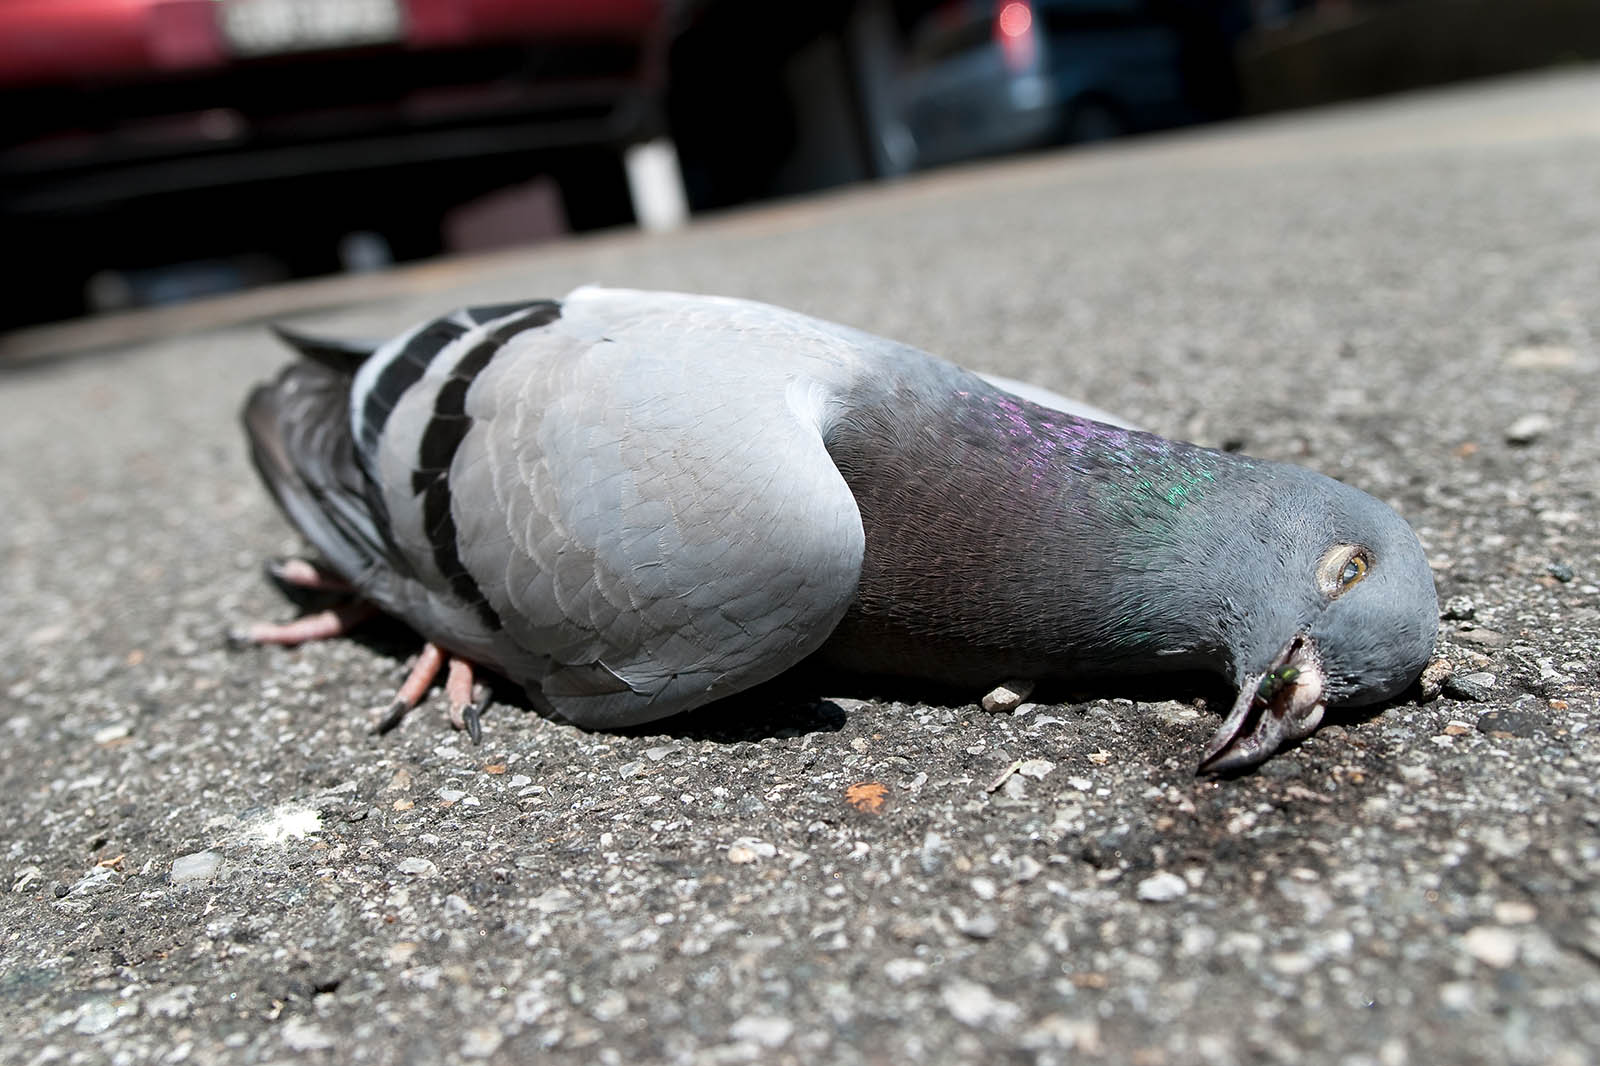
(137, 134)
(984, 77)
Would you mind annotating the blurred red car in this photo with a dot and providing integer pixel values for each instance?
(142, 132)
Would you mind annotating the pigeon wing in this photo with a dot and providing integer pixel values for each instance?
(636, 541)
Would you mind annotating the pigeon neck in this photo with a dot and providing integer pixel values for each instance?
(1004, 535)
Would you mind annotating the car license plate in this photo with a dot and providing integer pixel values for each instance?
(265, 27)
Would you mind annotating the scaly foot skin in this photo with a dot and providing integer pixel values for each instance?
(323, 625)
(423, 673)
(466, 699)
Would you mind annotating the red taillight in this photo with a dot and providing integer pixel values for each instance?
(1015, 19)
(1013, 28)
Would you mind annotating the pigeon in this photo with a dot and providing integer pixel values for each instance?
(635, 503)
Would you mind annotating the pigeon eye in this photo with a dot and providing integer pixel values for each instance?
(1342, 567)
(1353, 571)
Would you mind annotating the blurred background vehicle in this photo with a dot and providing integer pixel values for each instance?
(158, 150)
(983, 78)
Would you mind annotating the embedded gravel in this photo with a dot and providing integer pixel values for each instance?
(208, 859)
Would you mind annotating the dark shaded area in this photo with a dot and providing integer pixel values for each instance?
(1373, 47)
(154, 185)
(771, 100)
(729, 103)
(140, 188)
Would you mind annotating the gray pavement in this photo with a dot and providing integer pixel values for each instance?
(207, 858)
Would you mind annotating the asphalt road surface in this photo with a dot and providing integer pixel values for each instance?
(206, 858)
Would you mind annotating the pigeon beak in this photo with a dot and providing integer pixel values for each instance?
(1283, 703)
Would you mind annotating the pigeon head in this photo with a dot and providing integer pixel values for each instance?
(1341, 610)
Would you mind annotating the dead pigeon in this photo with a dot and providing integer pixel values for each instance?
(633, 503)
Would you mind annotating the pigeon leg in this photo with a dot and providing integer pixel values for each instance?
(423, 672)
(466, 699)
(323, 625)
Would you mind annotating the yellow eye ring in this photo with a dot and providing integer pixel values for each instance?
(1343, 566)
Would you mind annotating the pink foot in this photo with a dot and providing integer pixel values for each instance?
(324, 625)
(466, 699)
(415, 686)
(305, 574)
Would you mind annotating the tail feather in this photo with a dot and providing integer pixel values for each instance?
(300, 441)
(335, 353)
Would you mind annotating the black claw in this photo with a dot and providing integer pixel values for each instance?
(236, 639)
(471, 716)
(391, 718)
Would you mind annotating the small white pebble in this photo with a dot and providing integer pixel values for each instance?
(1008, 696)
(1491, 945)
(769, 1032)
(1528, 428)
(416, 866)
(481, 1042)
(96, 1016)
(1457, 996)
(1293, 963)
(114, 731)
(749, 849)
(981, 926)
(555, 900)
(1163, 887)
(1515, 912)
(899, 971)
(1415, 775)
(196, 866)
(1542, 357)
(302, 1035)
(973, 1004)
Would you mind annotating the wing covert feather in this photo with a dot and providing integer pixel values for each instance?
(659, 543)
